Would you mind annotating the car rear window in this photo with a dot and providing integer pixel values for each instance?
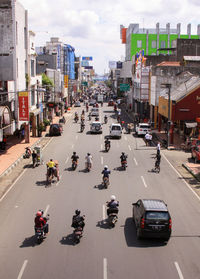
(117, 128)
(158, 215)
(145, 126)
(96, 124)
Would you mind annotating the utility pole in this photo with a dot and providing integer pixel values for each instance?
(168, 85)
(38, 116)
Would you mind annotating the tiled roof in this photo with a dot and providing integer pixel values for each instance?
(169, 64)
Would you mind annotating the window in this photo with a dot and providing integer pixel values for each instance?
(32, 68)
(153, 44)
(159, 215)
(32, 96)
(174, 43)
(139, 44)
(162, 44)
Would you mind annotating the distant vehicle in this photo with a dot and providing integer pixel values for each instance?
(195, 153)
(152, 219)
(100, 98)
(77, 104)
(111, 103)
(96, 127)
(115, 130)
(94, 112)
(142, 129)
(55, 130)
(92, 102)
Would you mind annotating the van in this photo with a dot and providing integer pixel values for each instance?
(94, 112)
(115, 130)
(152, 219)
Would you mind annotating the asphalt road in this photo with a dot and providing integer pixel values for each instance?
(103, 253)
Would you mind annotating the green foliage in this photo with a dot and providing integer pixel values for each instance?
(46, 122)
(46, 81)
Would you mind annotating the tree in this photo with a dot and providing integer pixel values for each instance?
(46, 81)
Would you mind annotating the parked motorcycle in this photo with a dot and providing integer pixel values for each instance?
(27, 153)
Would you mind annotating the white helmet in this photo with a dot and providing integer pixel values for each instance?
(113, 198)
(105, 167)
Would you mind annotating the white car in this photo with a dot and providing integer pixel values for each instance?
(96, 127)
(115, 130)
(94, 112)
(142, 129)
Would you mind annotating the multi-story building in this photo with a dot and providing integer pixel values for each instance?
(13, 61)
(153, 41)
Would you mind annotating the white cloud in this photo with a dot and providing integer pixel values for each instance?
(92, 26)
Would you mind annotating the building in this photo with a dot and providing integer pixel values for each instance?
(13, 62)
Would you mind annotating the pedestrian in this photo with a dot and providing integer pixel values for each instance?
(22, 133)
(147, 138)
(158, 148)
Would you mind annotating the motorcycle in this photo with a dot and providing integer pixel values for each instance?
(107, 147)
(89, 117)
(124, 165)
(40, 232)
(113, 217)
(82, 128)
(76, 118)
(105, 120)
(78, 233)
(88, 166)
(74, 165)
(27, 154)
(106, 182)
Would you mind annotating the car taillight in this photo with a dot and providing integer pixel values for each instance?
(170, 223)
(142, 223)
(140, 129)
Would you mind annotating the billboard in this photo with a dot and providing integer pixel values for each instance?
(119, 65)
(84, 63)
(66, 81)
(58, 56)
(88, 67)
(23, 106)
(112, 64)
(87, 58)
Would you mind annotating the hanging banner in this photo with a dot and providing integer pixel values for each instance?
(23, 106)
(66, 81)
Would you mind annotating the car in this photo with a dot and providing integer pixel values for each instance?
(92, 102)
(195, 153)
(55, 130)
(77, 104)
(94, 112)
(111, 103)
(96, 127)
(142, 129)
(152, 219)
(115, 130)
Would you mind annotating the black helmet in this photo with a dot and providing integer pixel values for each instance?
(51, 159)
(74, 153)
(88, 154)
(123, 153)
(77, 212)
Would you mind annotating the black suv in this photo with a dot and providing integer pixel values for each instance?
(152, 219)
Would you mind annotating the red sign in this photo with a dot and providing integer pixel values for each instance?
(23, 106)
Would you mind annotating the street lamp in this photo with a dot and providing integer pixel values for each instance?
(168, 85)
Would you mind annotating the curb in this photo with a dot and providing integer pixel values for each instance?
(190, 171)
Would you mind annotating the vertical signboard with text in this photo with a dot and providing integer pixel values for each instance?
(23, 106)
(66, 81)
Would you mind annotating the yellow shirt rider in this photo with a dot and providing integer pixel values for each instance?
(51, 165)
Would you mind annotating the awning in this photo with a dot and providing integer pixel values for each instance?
(190, 124)
(35, 112)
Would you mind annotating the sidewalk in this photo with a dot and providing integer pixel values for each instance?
(15, 147)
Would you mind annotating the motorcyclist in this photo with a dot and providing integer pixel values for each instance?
(88, 160)
(107, 142)
(82, 117)
(112, 205)
(158, 159)
(82, 125)
(75, 157)
(78, 220)
(106, 172)
(83, 112)
(105, 119)
(41, 222)
(123, 157)
(89, 116)
(50, 167)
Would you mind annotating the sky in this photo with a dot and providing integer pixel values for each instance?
(92, 27)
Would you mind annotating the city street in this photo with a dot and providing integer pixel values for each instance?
(103, 253)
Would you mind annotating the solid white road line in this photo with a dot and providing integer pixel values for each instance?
(145, 185)
(181, 177)
(135, 162)
(102, 160)
(105, 267)
(104, 212)
(129, 147)
(179, 270)
(66, 160)
(22, 269)
(46, 210)
(12, 185)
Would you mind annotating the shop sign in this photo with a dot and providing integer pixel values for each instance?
(66, 81)
(23, 106)
(87, 58)
(124, 87)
